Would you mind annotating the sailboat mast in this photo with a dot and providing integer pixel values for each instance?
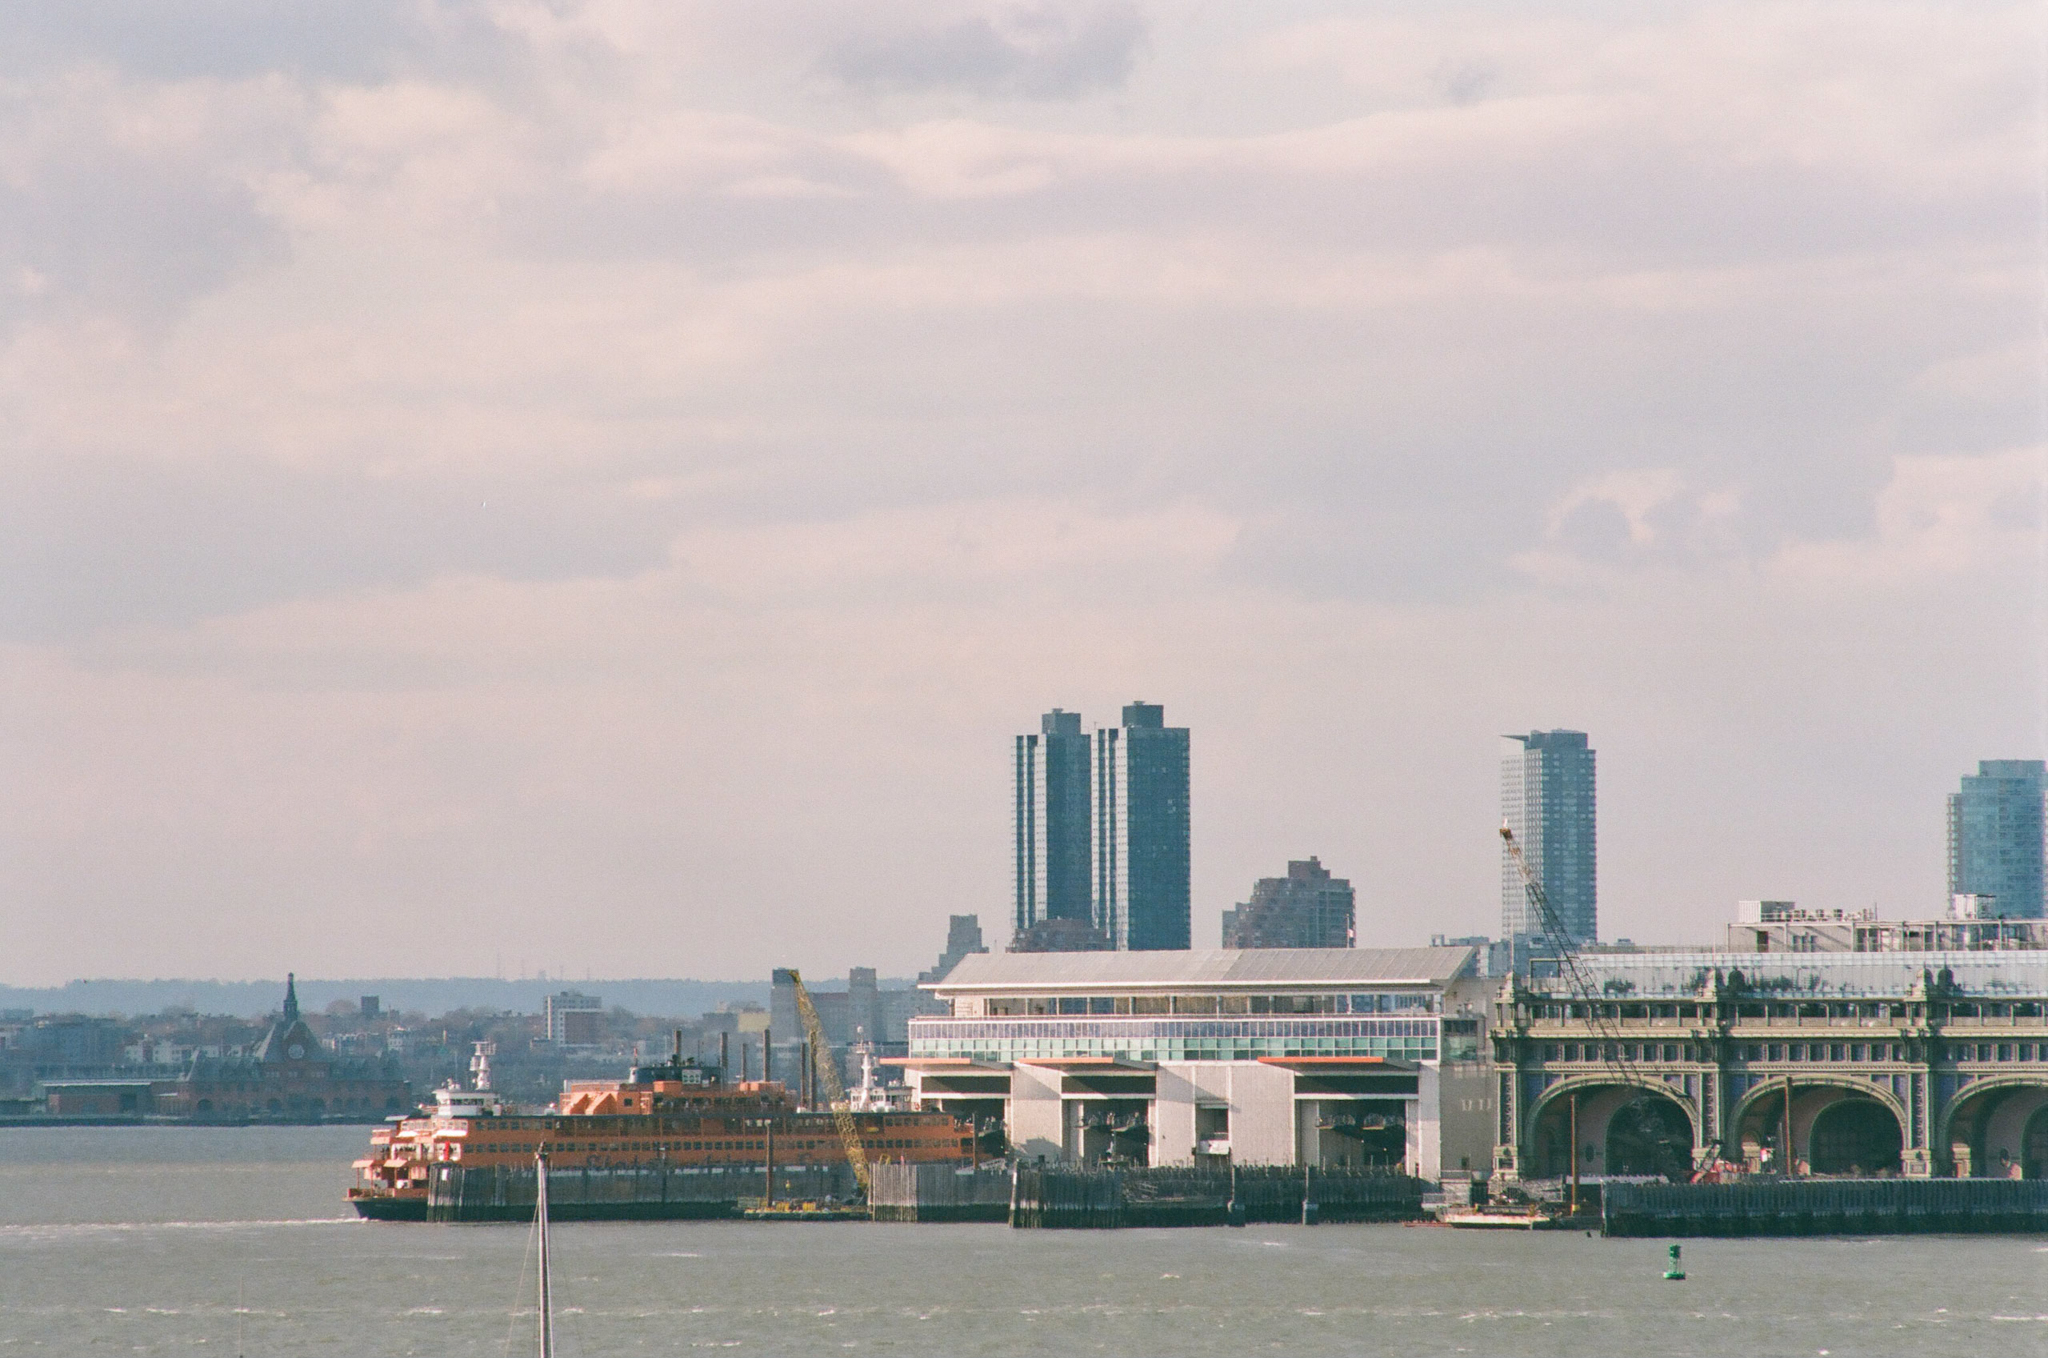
(540, 1220)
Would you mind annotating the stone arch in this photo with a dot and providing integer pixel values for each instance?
(2034, 1145)
(1984, 1128)
(1856, 1136)
(1601, 1095)
(1811, 1095)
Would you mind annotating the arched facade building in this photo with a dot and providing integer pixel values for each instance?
(1862, 1063)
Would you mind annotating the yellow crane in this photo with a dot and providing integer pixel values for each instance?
(835, 1093)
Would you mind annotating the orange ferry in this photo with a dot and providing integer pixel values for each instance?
(674, 1140)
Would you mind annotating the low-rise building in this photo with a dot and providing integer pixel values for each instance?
(1326, 1057)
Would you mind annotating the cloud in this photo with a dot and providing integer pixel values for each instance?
(519, 453)
(1059, 50)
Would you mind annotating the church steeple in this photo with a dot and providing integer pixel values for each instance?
(291, 999)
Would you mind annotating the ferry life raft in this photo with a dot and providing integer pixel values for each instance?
(676, 1140)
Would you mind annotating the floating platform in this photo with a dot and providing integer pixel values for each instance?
(1780, 1207)
(806, 1211)
(1056, 1198)
(1474, 1219)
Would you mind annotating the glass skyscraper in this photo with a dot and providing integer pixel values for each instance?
(1053, 825)
(1546, 798)
(1995, 841)
(1141, 832)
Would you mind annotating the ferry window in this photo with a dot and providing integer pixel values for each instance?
(1039, 1007)
(1777, 1052)
(1836, 1053)
(1233, 1004)
(1983, 1051)
(1670, 1052)
(1260, 1004)
(1123, 1004)
(1101, 1004)
(1571, 1051)
(1796, 1052)
(2004, 1051)
(2026, 1051)
(1857, 1052)
(1553, 1052)
(1151, 1004)
(1073, 1004)
(1194, 1004)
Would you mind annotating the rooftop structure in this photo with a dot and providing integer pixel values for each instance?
(1783, 927)
(1308, 908)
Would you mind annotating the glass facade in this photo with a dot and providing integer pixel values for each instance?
(1996, 843)
(1547, 798)
(1173, 1039)
(1141, 866)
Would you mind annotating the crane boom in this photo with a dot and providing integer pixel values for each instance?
(1612, 1054)
(835, 1092)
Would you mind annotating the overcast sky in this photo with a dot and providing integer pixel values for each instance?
(597, 486)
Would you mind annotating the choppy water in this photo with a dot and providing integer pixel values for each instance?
(143, 1240)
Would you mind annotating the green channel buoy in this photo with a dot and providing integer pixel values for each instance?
(1674, 1274)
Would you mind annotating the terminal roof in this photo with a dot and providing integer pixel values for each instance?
(1792, 976)
(1212, 968)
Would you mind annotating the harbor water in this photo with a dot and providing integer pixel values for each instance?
(160, 1240)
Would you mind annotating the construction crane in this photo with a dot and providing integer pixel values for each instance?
(1613, 1054)
(835, 1093)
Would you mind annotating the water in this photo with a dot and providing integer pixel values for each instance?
(141, 1240)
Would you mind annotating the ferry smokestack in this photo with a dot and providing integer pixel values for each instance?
(724, 1065)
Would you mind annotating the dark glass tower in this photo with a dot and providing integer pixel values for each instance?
(1053, 880)
(1141, 832)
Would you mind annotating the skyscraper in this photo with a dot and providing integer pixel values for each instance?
(1995, 842)
(1052, 822)
(1546, 798)
(1308, 908)
(1141, 832)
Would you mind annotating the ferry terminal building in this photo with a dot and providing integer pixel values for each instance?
(1326, 1057)
(1862, 1063)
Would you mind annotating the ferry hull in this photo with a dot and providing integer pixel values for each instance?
(393, 1209)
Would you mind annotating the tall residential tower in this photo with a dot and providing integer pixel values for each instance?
(1996, 846)
(1053, 827)
(1546, 798)
(1141, 832)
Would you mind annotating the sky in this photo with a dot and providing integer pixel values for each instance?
(597, 485)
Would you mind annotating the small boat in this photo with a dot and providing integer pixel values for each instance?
(1519, 1219)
